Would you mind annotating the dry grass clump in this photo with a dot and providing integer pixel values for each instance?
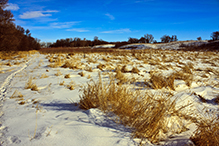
(106, 59)
(190, 65)
(44, 76)
(67, 76)
(91, 60)
(207, 133)
(135, 70)
(17, 95)
(69, 64)
(101, 66)
(159, 81)
(188, 78)
(88, 68)
(58, 73)
(186, 69)
(124, 69)
(62, 83)
(58, 61)
(82, 74)
(72, 85)
(148, 116)
(217, 99)
(121, 77)
(31, 85)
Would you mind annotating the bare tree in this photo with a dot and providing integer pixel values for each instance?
(133, 40)
(173, 38)
(149, 38)
(199, 38)
(215, 35)
(165, 39)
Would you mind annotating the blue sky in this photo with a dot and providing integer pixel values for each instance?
(116, 20)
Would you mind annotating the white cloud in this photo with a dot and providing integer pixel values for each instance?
(78, 30)
(118, 31)
(141, 1)
(63, 24)
(13, 7)
(36, 14)
(110, 16)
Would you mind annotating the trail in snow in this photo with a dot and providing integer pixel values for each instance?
(8, 80)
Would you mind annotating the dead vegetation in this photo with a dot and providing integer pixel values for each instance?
(145, 113)
(159, 81)
(207, 132)
(31, 85)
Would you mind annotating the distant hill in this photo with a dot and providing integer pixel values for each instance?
(178, 45)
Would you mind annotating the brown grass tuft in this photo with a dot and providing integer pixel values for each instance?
(88, 68)
(82, 74)
(135, 70)
(58, 73)
(124, 69)
(159, 81)
(146, 114)
(31, 85)
(17, 95)
(62, 83)
(217, 99)
(101, 66)
(207, 133)
(188, 78)
(67, 76)
(44, 76)
(71, 86)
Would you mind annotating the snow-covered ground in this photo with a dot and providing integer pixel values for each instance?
(51, 115)
(104, 46)
(172, 45)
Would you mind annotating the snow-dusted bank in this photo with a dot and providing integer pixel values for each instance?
(173, 45)
(41, 107)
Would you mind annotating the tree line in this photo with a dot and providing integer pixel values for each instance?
(78, 42)
(14, 37)
(147, 38)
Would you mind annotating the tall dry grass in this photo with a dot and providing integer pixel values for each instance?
(31, 85)
(207, 133)
(146, 114)
(159, 81)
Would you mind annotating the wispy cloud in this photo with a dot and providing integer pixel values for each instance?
(110, 16)
(63, 24)
(78, 30)
(13, 7)
(37, 14)
(140, 1)
(117, 31)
